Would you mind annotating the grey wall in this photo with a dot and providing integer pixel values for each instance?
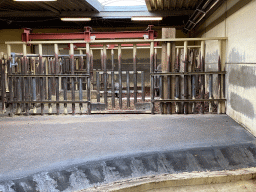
(236, 20)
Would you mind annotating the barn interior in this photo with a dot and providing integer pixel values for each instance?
(187, 61)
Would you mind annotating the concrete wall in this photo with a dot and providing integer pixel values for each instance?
(236, 20)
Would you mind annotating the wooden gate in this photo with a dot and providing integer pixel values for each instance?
(61, 83)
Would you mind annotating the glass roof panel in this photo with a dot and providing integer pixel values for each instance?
(122, 2)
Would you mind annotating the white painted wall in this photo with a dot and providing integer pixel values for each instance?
(240, 28)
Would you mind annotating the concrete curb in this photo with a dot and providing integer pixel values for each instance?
(175, 180)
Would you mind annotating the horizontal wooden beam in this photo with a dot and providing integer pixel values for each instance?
(104, 14)
(117, 41)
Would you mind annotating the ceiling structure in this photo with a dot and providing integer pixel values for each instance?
(103, 13)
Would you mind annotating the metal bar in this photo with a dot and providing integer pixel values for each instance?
(119, 41)
(185, 77)
(81, 60)
(65, 94)
(56, 52)
(26, 79)
(11, 88)
(51, 75)
(152, 77)
(3, 91)
(72, 61)
(128, 88)
(80, 95)
(112, 59)
(98, 86)
(120, 74)
(113, 89)
(105, 73)
(210, 93)
(88, 95)
(193, 92)
(135, 72)
(41, 71)
(66, 101)
(89, 69)
(161, 93)
(189, 73)
(91, 61)
(168, 50)
(202, 61)
(143, 86)
(177, 81)
(187, 100)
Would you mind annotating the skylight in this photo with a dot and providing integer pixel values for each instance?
(122, 2)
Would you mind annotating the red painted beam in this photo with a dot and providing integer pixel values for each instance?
(87, 35)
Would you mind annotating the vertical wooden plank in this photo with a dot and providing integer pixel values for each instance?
(152, 77)
(128, 88)
(72, 61)
(135, 72)
(168, 66)
(41, 69)
(202, 65)
(89, 69)
(120, 74)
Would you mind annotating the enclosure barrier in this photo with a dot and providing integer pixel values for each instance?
(58, 79)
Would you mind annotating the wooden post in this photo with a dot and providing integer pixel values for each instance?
(168, 65)
(202, 61)
(222, 46)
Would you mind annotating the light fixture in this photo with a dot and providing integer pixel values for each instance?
(76, 19)
(146, 18)
(34, 0)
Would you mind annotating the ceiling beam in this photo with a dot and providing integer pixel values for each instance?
(44, 5)
(116, 14)
(95, 4)
(148, 4)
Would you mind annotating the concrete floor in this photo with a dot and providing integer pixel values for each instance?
(67, 153)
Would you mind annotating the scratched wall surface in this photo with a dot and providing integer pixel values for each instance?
(236, 20)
